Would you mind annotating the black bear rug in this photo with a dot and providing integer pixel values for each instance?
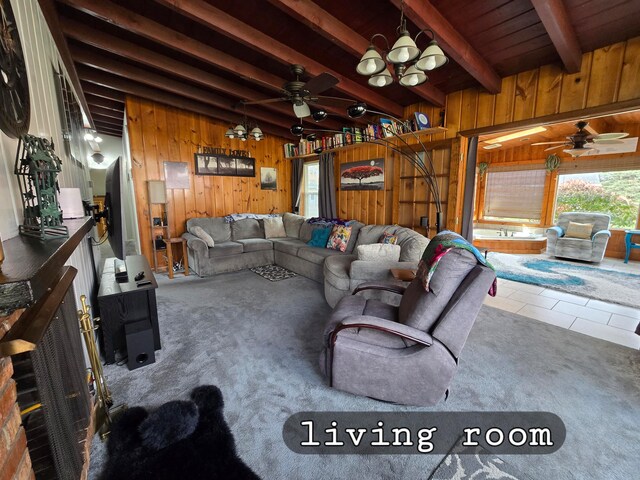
(180, 439)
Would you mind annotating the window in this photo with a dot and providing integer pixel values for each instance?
(613, 193)
(310, 181)
(514, 196)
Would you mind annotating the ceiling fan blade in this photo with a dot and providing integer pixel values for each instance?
(269, 100)
(606, 141)
(557, 146)
(322, 82)
(611, 136)
(549, 143)
(332, 101)
(301, 111)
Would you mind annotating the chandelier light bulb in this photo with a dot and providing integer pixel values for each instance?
(413, 80)
(430, 63)
(403, 54)
(380, 81)
(370, 66)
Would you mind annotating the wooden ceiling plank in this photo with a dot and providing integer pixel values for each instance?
(233, 28)
(96, 101)
(132, 88)
(103, 92)
(108, 120)
(341, 34)
(425, 15)
(555, 19)
(50, 14)
(130, 51)
(105, 112)
(86, 57)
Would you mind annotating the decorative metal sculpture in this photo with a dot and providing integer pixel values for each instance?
(552, 163)
(37, 167)
(482, 168)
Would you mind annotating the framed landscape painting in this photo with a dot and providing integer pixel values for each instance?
(364, 175)
(207, 164)
(268, 178)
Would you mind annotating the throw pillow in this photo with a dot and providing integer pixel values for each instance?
(319, 237)
(579, 230)
(339, 238)
(274, 228)
(379, 252)
(389, 238)
(202, 235)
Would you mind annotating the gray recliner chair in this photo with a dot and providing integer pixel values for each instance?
(406, 354)
(591, 249)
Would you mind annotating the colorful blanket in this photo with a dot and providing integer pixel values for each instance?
(438, 247)
(234, 217)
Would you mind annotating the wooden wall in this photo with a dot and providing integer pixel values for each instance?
(158, 134)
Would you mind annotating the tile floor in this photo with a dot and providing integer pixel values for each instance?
(607, 321)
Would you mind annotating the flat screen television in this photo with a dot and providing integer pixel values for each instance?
(114, 209)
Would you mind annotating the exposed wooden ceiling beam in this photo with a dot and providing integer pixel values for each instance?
(425, 15)
(93, 100)
(130, 51)
(233, 28)
(109, 127)
(106, 131)
(50, 14)
(102, 92)
(86, 57)
(111, 81)
(556, 21)
(105, 112)
(348, 39)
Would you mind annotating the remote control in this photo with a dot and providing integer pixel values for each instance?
(142, 283)
(139, 276)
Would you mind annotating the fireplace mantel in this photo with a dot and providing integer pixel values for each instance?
(31, 266)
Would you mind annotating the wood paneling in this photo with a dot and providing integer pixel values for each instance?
(158, 134)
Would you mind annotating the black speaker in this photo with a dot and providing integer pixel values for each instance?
(139, 344)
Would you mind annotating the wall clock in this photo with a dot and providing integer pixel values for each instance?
(15, 109)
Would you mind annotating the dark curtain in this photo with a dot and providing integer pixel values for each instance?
(469, 190)
(297, 170)
(327, 187)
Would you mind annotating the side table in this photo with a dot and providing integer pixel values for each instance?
(403, 274)
(185, 259)
(629, 245)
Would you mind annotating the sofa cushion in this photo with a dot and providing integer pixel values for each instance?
(319, 237)
(355, 232)
(204, 236)
(579, 230)
(339, 238)
(306, 230)
(376, 308)
(371, 233)
(292, 224)
(255, 244)
(336, 270)
(420, 309)
(379, 252)
(246, 228)
(316, 255)
(223, 249)
(274, 228)
(412, 247)
(287, 245)
(219, 230)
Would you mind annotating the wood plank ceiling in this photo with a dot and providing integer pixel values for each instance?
(206, 56)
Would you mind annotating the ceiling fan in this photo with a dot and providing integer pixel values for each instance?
(583, 141)
(301, 93)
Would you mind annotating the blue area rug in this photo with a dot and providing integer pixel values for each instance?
(572, 277)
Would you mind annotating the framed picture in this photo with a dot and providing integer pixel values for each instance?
(224, 165)
(268, 178)
(364, 175)
(422, 121)
(176, 174)
(387, 127)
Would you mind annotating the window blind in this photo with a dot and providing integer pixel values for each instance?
(515, 194)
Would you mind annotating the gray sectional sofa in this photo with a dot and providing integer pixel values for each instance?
(242, 244)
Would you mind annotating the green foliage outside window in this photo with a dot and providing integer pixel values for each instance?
(618, 195)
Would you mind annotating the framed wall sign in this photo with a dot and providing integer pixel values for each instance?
(225, 162)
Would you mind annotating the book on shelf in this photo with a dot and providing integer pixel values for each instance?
(351, 135)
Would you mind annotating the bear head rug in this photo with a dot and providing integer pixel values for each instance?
(178, 440)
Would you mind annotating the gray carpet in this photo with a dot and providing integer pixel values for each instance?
(259, 342)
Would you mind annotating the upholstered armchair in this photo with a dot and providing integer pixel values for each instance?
(590, 247)
(406, 354)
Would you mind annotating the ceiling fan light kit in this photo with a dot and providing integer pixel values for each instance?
(400, 55)
(582, 142)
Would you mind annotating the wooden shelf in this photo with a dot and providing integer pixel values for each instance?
(405, 136)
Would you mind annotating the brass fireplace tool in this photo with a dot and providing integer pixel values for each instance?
(104, 402)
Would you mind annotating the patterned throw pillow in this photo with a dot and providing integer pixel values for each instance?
(339, 238)
(389, 238)
(319, 237)
(579, 230)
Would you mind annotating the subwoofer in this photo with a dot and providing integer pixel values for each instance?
(139, 337)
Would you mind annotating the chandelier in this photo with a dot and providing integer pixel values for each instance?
(245, 131)
(401, 56)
